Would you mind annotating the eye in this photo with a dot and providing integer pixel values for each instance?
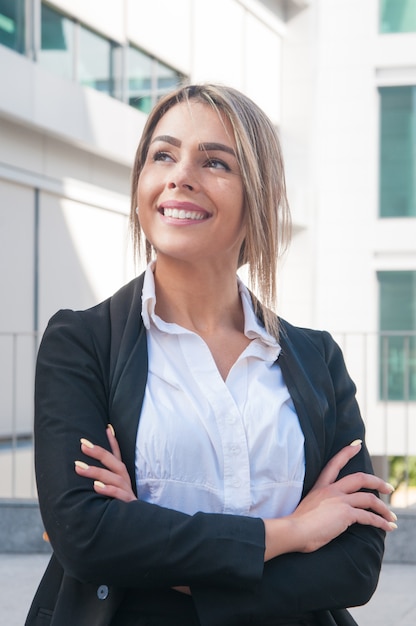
(217, 164)
(161, 156)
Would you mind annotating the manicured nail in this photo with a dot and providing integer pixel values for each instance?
(393, 516)
(392, 525)
(87, 443)
(81, 464)
(356, 442)
(98, 483)
(45, 537)
(390, 487)
(113, 432)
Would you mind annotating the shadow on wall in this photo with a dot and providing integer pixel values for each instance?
(79, 259)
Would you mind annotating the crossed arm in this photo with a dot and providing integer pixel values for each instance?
(328, 510)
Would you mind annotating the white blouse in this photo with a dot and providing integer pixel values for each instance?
(205, 444)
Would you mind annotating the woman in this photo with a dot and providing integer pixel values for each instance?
(245, 494)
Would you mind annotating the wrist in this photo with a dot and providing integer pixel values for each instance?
(281, 537)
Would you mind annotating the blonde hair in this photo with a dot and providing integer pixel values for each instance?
(259, 155)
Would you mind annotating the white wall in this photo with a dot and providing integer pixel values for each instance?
(334, 61)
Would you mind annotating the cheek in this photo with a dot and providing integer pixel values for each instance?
(143, 201)
(147, 187)
(142, 192)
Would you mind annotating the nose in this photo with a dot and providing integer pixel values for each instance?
(182, 177)
(173, 185)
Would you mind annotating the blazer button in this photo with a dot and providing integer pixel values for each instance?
(102, 592)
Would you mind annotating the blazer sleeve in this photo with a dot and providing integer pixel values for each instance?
(341, 574)
(98, 539)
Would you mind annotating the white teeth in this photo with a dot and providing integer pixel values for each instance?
(181, 214)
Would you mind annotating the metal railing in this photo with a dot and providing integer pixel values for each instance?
(17, 366)
(383, 366)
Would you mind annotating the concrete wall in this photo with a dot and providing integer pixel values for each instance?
(21, 528)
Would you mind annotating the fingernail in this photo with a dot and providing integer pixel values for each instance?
(392, 525)
(390, 487)
(81, 464)
(98, 483)
(113, 432)
(356, 442)
(87, 443)
(45, 537)
(393, 516)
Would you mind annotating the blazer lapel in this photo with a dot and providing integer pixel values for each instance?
(296, 365)
(128, 368)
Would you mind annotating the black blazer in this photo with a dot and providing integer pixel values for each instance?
(91, 371)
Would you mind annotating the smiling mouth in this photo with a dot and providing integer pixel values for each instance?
(182, 214)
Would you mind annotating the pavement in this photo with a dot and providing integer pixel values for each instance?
(393, 604)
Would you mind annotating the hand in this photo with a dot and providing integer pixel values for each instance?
(330, 508)
(183, 589)
(112, 479)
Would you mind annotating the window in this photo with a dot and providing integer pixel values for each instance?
(57, 52)
(96, 66)
(398, 336)
(139, 79)
(397, 16)
(75, 52)
(12, 24)
(167, 79)
(398, 151)
(148, 79)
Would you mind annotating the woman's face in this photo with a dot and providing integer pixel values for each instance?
(190, 194)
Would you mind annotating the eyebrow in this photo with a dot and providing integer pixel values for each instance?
(206, 147)
(203, 147)
(168, 139)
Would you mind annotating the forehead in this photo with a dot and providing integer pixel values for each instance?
(194, 119)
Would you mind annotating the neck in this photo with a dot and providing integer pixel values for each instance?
(202, 299)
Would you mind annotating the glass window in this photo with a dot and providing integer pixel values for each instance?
(397, 16)
(57, 43)
(12, 24)
(96, 61)
(397, 345)
(139, 79)
(148, 79)
(167, 79)
(398, 151)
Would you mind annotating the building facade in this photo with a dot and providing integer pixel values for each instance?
(337, 77)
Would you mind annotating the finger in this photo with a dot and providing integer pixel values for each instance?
(107, 458)
(117, 479)
(370, 502)
(111, 436)
(106, 482)
(360, 480)
(368, 518)
(113, 492)
(332, 469)
(182, 589)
